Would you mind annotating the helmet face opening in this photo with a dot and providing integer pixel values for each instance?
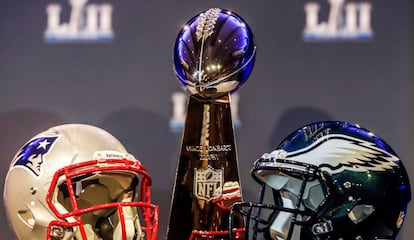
(290, 196)
(328, 180)
(107, 199)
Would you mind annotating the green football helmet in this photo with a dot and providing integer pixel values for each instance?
(328, 180)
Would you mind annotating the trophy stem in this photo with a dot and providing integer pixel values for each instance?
(207, 173)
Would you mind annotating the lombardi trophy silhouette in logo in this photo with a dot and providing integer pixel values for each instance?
(214, 55)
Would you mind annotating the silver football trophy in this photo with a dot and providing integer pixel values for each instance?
(214, 55)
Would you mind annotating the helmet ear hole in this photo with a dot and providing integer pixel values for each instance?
(27, 217)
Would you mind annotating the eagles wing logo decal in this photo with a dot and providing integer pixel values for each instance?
(335, 153)
(32, 153)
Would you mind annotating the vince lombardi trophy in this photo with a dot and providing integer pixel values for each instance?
(214, 55)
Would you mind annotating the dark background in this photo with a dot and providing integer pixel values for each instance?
(125, 86)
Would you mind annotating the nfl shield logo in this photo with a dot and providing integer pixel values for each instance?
(208, 183)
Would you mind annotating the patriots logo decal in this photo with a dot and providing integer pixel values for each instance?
(32, 153)
(336, 152)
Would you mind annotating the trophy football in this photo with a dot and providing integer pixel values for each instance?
(214, 55)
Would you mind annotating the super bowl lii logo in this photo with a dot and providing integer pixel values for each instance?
(87, 22)
(346, 21)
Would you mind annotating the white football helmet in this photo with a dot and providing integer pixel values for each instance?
(77, 181)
